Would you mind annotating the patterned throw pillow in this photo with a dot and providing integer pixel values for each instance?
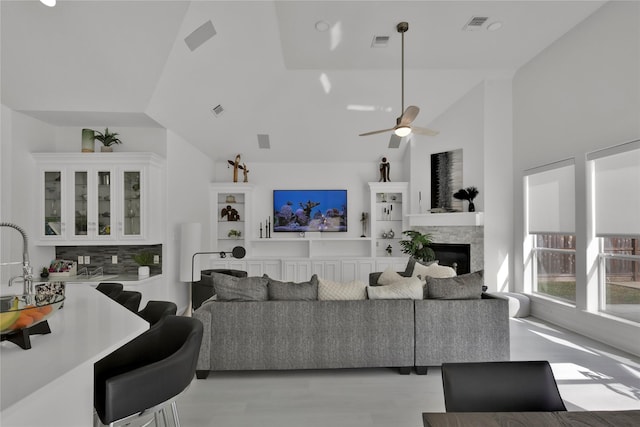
(406, 288)
(408, 272)
(329, 290)
(290, 291)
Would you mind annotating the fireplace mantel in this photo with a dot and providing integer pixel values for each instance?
(450, 219)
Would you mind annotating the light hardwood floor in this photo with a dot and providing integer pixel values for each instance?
(590, 376)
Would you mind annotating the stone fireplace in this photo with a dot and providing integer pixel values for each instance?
(457, 243)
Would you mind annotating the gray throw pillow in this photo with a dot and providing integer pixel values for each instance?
(291, 291)
(465, 286)
(408, 272)
(230, 288)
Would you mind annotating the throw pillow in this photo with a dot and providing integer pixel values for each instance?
(230, 288)
(288, 291)
(329, 290)
(433, 270)
(389, 276)
(465, 286)
(408, 288)
(408, 271)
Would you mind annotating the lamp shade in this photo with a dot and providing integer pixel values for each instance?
(190, 237)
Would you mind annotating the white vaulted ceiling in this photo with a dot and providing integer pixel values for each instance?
(125, 63)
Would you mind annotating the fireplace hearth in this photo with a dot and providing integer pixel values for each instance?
(456, 255)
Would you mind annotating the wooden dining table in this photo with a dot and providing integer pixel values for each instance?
(630, 418)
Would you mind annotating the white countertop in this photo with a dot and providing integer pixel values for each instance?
(88, 326)
(126, 277)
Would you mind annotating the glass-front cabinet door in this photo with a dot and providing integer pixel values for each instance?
(53, 224)
(132, 220)
(80, 203)
(104, 194)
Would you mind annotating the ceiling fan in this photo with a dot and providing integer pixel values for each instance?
(403, 125)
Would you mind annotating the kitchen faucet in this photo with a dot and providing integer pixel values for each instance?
(27, 272)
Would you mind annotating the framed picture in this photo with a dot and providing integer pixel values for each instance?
(446, 179)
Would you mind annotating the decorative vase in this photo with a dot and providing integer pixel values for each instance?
(143, 271)
(472, 207)
(88, 141)
(106, 149)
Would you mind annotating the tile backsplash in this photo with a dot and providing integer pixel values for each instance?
(101, 256)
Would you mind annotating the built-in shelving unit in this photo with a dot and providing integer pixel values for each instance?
(388, 217)
(231, 210)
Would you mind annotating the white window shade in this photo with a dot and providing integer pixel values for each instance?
(551, 199)
(617, 194)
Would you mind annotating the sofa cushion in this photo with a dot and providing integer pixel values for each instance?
(330, 290)
(405, 288)
(408, 271)
(230, 288)
(465, 286)
(389, 276)
(432, 270)
(291, 291)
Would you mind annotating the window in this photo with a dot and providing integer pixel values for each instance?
(550, 198)
(616, 205)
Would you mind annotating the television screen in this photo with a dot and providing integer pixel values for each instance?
(309, 210)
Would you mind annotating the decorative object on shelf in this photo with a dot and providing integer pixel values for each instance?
(44, 273)
(261, 230)
(144, 259)
(88, 141)
(230, 199)
(108, 139)
(446, 174)
(391, 234)
(418, 246)
(236, 165)
(364, 219)
(385, 166)
(384, 235)
(234, 233)
(389, 250)
(230, 213)
(467, 194)
(245, 172)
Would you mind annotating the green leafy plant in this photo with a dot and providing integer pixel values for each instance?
(234, 233)
(418, 245)
(107, 138)
(143, 258)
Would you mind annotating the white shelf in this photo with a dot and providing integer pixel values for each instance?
(450, 219)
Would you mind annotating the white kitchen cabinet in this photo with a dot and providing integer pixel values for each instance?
(93, 198)
(388, 217)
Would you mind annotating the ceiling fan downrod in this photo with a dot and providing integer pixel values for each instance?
(402, 28)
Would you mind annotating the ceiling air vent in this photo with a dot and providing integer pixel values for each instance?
(380, 41)
(200, 35)
(475, 23)
(217, 110)
(263, 141)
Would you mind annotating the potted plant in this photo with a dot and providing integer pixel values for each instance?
(107, 139)
(467, 194)
(236, 234)
(144, 260)
(418, 245)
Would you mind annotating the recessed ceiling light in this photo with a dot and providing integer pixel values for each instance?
(322, 26)
(494, 26)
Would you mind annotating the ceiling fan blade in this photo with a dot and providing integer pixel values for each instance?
(394, 141)
(376, 131)
(409, 115)
(424, 131)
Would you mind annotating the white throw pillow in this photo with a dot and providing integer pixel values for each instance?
(433, 270)
(389, 276)
(407, 288)
(329, 290)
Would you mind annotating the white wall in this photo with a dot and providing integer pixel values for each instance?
(189, 172)
(580, 94)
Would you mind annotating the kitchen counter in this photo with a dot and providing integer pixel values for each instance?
(125, 277)
(52, 383)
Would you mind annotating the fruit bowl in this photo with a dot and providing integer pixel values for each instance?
(23, 312)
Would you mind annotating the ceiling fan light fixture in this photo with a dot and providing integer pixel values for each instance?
(50, 3)
(402, 131)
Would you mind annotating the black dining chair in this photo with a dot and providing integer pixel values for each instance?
(155, 311)
(517, 386)
(110, 289)
(130, 299)
(144, 377)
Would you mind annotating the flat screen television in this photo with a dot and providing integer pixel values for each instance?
(309, 210)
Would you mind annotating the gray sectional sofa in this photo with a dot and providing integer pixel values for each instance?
(318, 334)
